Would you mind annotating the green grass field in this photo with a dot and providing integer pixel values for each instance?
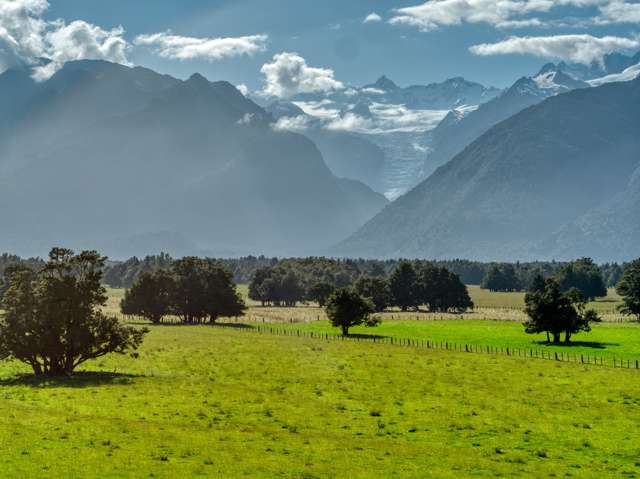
(620, 341)
(211, 402)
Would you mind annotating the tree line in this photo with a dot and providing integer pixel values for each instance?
(582, 274)
(409, 286)
(340, 272)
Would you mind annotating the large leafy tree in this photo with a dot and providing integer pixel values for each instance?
(501, 278)
(554, 312)
(221, 296)
(629, 289)
(584, 275)
(203, 289)
(402, 285)
(150, 296)
(346, 308)
(441, 290)
(53, 319)
(377, 290)
(320, 292)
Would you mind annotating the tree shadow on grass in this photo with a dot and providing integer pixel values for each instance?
(579, 344)
(231, 325)
(369, 337)
(77, 380)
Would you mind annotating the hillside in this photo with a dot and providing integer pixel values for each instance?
(192, 165)
(525, 179)
(457, 131)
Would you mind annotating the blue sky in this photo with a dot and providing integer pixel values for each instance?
(423, 44)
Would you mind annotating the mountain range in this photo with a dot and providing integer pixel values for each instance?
(130, 161)
(556, 180)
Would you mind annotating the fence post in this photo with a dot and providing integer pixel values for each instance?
(556, 353)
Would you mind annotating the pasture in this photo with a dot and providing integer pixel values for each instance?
(211, 402)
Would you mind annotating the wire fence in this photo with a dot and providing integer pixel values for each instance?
(528, 353)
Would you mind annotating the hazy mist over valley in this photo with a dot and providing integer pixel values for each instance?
(103, 145)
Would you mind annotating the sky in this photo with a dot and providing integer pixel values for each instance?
(282, 47)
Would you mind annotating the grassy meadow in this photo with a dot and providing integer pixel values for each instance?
(211, 402)
(207, 401)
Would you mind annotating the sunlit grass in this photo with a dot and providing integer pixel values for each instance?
(201, 401)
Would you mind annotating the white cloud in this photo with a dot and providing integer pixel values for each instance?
(584, 49)
(618, 11)
(26, 38)
(434, 14)
(373, 17)
(178, 47)
(292, 123)
(288, 74)
(350, 122)
(242, 88)
(80, 40)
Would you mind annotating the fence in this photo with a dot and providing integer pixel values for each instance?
(528, 353)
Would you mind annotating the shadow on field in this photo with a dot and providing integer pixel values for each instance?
(77, 380)
(366, 336)
(230, 325)
(580, 344)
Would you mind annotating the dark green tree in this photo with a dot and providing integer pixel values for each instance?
(203, 289)
(150, 296)
(189, 295)
(441, 290)
(402, 285)
(53, 319)
(629, 289)
(320, 292)
(501, 278)
(377, 290)
(554, 312)
(584, 275)
(346, 308)
(221, 295)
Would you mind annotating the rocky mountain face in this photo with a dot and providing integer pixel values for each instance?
(130, 161)
(376, 133)
(552, 181)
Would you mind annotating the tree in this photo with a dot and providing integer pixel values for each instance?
(402, 285)
(203, 289)
(320, 292)
(189, 295)
(150, 296)
(377, 290)
(584, 275)
(501, 278)
(53, 319)
(440, 290)
(221, 296)
(553, 312)
(629, 289)
(346, 308)
(291, 289)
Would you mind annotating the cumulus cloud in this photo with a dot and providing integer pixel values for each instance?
(176, 47)
(288, 74)
(292, 123)
(80, 40)
(585, 49)
(242, 88)
(373, 17)
(619, 11)
(26, 39)
(434, 14)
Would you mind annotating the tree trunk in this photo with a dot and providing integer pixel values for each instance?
(548, 338)
(567, 337)
(556, 338)
(345, 330)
